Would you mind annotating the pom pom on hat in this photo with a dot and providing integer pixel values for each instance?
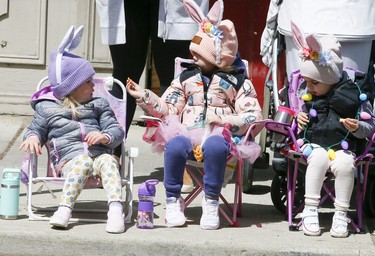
(331, 72)
(74, 72)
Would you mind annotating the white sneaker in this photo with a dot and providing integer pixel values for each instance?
(187, 188)
(310, 221)
(174, 212)
(210, 214)
(115, 222)
(339, 227)
(61, 217)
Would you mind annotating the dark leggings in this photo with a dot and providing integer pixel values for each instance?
(129, 59)
(179, 150)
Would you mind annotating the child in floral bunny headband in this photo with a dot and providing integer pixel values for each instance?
(197, 110)
(336, 117)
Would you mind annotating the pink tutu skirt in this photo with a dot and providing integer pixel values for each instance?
(159, 133)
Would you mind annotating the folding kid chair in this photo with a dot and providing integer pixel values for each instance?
(49, 176)
(296, 161)
(234, 166)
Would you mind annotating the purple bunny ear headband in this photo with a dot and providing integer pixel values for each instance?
(210, 23)
(70, 41)
(311, 49)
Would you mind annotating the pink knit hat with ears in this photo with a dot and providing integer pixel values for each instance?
(321, 58)
(216, 40)
(67, 71)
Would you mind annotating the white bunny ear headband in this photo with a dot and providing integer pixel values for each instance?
(311, 49)
(208, 24)
(70, 41)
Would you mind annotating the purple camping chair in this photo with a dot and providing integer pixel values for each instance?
(286, 134)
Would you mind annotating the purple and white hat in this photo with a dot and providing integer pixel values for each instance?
(68, 71)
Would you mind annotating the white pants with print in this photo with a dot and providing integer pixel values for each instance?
(81, 167)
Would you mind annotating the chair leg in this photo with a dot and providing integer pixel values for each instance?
(292, 210)
(360, 192)
(235, 210)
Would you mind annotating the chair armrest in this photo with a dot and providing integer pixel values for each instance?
(254, 129)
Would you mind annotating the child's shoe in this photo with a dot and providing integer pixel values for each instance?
(61, 217)
(339, 227)
(115, 222)
(174, 212)
(310, 221)
(116, 218)
(210, 214)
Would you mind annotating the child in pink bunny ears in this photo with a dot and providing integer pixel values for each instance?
(335, 121)
(81, 130)
(206, 104)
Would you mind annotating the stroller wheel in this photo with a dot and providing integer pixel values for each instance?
(247, 176)
(369, 203)
(279, 191)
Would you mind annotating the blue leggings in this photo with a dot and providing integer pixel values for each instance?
(179, 150)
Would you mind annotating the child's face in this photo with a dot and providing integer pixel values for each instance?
(83, 92)
(317, 88)
(206, 67)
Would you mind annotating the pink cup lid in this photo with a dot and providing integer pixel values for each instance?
(285, 109)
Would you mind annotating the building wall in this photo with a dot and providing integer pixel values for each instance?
(29, 31)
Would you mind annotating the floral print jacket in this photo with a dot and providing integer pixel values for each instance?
(230, 95)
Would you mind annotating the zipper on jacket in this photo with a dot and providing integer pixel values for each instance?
(205, 90)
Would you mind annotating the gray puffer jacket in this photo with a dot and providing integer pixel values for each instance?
(54, 124)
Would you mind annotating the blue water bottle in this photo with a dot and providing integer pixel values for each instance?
(10, 190)
(146, 194)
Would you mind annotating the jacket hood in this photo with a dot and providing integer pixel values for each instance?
(43, 94)
(238, 65)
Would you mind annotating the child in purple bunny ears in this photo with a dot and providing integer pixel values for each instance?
(82, 132)
(335, 121)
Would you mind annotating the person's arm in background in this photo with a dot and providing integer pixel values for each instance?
(112, 21)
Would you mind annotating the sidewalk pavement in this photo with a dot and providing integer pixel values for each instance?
(263, 230)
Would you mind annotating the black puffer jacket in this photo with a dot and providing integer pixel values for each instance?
(342, 102)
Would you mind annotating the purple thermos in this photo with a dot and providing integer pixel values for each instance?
(146, 194)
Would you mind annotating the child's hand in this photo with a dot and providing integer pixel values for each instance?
(302, 120)
(350, 124)
(134, 89)
(32, 144)
(214, 119)
(96, 137)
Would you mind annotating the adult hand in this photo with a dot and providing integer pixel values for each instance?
(32, 145)
(134, 89)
